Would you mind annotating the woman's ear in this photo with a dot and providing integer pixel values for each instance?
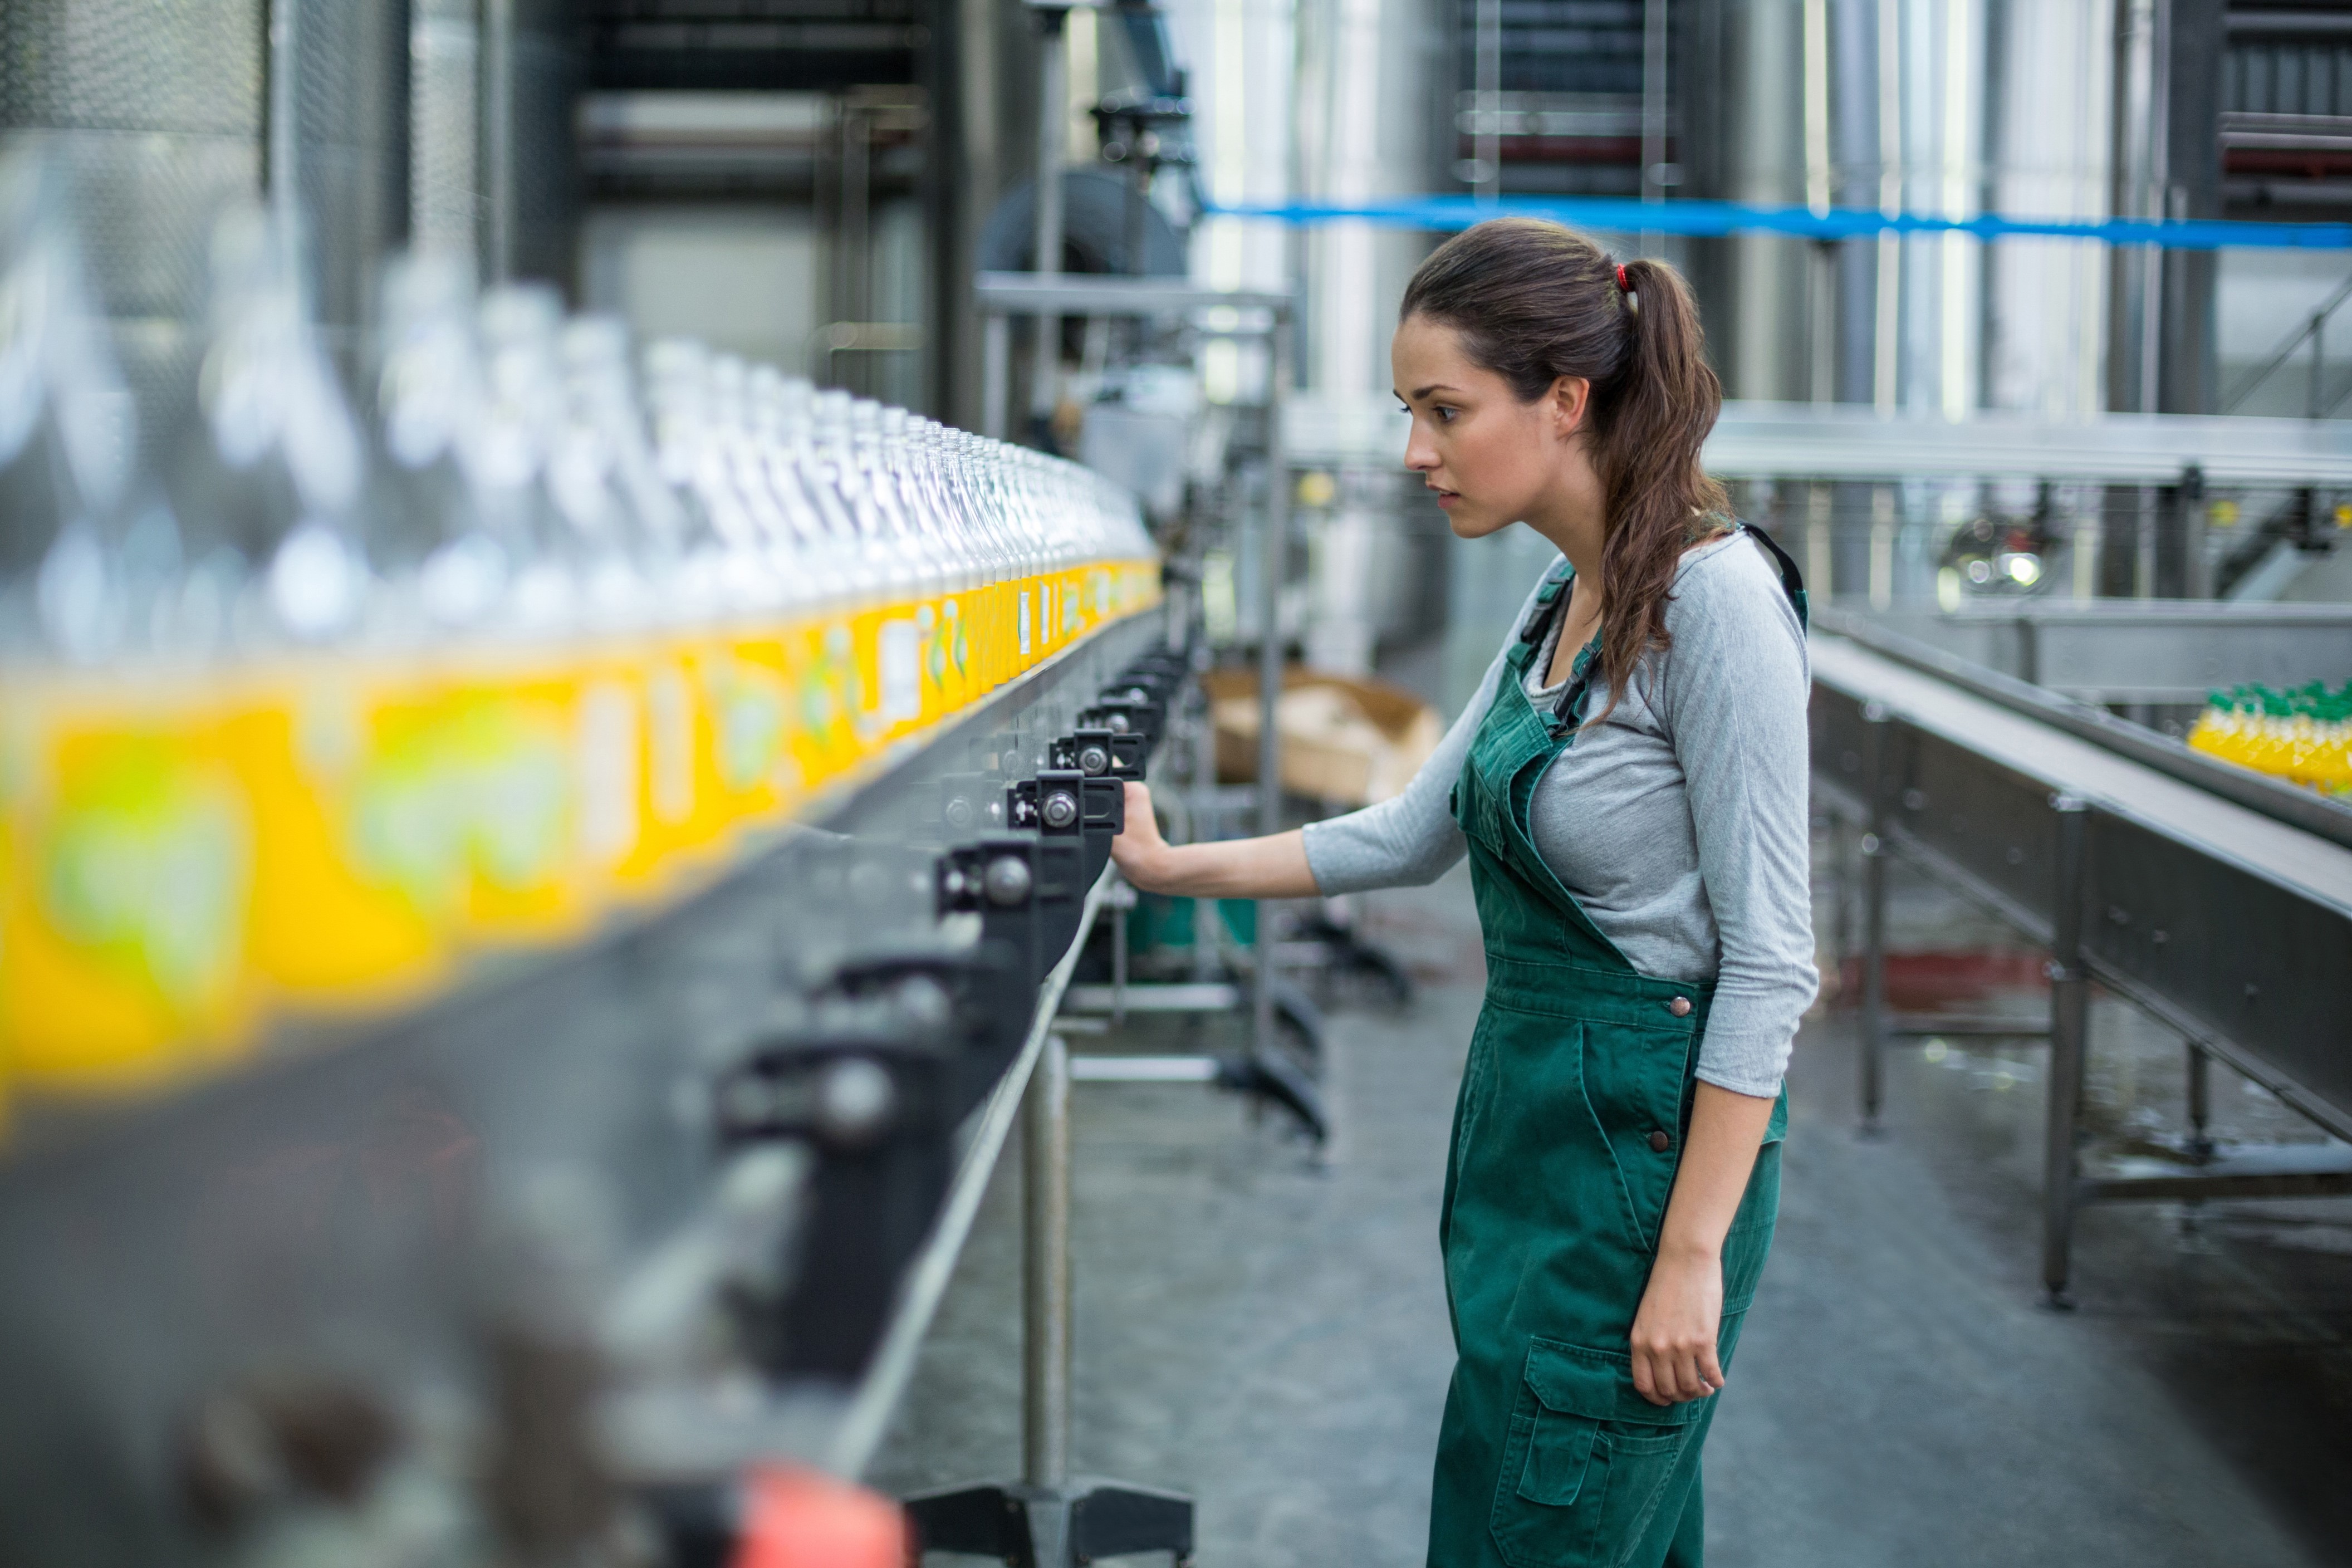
(1571, 400)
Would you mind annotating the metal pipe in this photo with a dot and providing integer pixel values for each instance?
(2070, 1021)
(995, 372)
(853, 246)
(498, 138)
(1486, 117)
(1052, 113)
(1045, 1270)
(1273, 554)
(445, 128)
(284, 61)
(1878, 765)
(1653, 110)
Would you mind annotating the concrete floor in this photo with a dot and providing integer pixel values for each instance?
(1267, 1330)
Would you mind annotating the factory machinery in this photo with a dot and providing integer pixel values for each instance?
(529, 913)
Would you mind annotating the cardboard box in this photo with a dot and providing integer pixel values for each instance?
(1345, 739)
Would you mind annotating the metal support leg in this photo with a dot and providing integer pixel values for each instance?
(1045, 1270)
(1122, 899)
(1878, 764)
(2070, 1021)
(2201, 1100)
(1845, 837)
(1050, 1519)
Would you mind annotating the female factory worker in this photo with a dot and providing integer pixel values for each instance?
(1630, 782)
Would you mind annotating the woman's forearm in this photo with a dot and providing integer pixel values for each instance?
(1681, 1315)
(1718, 1153)
(1271, 868)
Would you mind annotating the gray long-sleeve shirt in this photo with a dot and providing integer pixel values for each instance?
(1679, 823)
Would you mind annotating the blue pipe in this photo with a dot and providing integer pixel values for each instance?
(1627, 215)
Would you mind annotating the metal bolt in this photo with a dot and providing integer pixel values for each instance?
(924, 1001)
(958, 813)
(1060, 809)
(1115, 723)
(1007, 880)
(1094, 760)
(854, 1099)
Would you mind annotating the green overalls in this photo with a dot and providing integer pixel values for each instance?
(1567, 1134)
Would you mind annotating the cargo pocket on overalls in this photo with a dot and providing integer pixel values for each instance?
(1587, 1463)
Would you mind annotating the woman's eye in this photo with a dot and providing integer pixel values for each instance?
(1444, 415)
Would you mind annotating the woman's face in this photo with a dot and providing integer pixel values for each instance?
(1492, 459)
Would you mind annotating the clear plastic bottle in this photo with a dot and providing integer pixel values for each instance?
(125, 837)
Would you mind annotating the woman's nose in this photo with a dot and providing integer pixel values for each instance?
(1419, 455)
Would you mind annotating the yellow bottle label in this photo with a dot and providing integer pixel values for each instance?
(753, 768)
(518, 744)
(123, 932)
(826, 698)
(359, 869)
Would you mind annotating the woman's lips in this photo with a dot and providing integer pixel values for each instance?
(1446, 498)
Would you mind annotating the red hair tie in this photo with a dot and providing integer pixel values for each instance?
(1622, 287)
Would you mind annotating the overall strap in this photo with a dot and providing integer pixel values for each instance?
(1547, 601)
(1792, 582)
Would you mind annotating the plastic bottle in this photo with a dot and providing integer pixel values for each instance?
(125, 834)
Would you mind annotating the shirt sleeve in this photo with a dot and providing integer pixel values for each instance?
(1410, 838)
(1736, 685)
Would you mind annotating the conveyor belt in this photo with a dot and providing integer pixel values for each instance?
(2300, 862)
(2231, 925)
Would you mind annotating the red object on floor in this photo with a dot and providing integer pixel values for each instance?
(804, 1519)
(1942, 981)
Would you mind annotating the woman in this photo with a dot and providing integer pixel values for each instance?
(1630, 785)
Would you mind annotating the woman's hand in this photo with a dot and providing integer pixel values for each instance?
(1674, 1331)
(1139, 851)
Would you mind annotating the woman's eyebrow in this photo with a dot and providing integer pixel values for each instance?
(1420, 392)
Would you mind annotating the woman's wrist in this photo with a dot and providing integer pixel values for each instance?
(1685, 1250)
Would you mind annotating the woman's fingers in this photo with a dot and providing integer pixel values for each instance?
(1645, 1382)
(1139, 843)
(1140, 824)
(1710, 1371)
(1671, 1372)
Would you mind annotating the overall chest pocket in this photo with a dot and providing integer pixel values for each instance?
(1589, 1462)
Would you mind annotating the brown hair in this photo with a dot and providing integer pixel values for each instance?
(1535, 301)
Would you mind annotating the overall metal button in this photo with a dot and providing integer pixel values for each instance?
(1661, 1142)
(1679, 1007)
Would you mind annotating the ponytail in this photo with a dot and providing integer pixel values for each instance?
(1533, 301)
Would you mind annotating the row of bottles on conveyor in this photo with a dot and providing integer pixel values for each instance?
(2302, 735)
(325, 698)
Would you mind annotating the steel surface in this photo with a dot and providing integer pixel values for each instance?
(1027, 294)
